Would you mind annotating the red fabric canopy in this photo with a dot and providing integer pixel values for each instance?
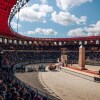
(5, 8)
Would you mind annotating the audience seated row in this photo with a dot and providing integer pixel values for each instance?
(10, 89)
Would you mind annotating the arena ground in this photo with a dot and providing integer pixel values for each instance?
(66, 86)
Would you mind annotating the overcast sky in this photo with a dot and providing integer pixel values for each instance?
(59, 18)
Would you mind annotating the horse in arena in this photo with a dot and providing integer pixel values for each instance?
(42, 68)
(52, 67)
(20, 68)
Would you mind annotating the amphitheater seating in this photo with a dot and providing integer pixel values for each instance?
(12, 57)
(11, 89)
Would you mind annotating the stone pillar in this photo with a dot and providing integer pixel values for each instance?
(63, 57)
(82, 57)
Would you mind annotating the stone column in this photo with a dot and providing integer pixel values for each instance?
(82, 57)
(64, 57)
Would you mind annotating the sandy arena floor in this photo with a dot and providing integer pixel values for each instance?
(32, 78)
(66, 86)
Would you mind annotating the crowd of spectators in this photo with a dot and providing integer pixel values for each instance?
(10, 89)
(69, 47)
(13, 57)
(93, 56)
(72, 57)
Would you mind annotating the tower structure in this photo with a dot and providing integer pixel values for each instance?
(82, 57)
(63, 57)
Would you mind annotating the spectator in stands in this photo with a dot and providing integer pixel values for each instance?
(10, 89)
